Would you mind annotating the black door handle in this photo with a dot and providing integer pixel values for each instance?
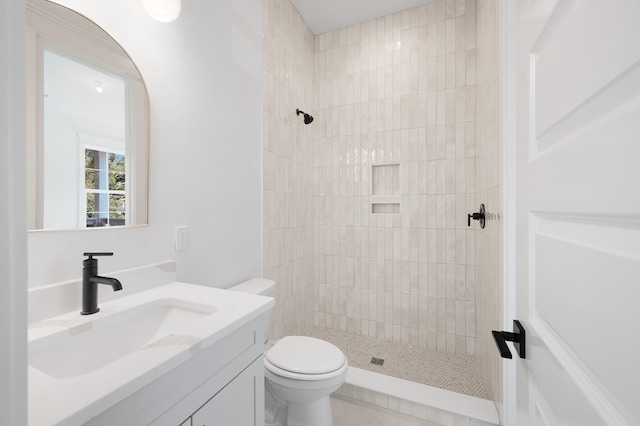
(477, 216)
(518, 337)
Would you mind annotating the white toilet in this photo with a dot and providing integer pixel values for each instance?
(300, 372)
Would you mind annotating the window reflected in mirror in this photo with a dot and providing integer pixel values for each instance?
(105, 188)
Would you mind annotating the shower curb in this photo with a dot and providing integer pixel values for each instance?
(414, 400)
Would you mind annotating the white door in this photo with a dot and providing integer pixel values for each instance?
(578, 211)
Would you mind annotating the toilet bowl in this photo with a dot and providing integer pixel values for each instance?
(304, 371)
(300, 373)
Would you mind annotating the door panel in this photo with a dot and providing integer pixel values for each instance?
(574, 284)
(595, 42)
(581, 168)
(578, 211)
(548, 391)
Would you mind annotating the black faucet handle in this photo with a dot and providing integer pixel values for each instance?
(100, 253)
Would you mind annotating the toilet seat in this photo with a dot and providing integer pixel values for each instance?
(301, 356)
(277, 374)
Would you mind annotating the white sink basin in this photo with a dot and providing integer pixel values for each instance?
(83, 365)
(84, 349)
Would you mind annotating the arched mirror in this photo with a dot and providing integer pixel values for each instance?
(88, 125)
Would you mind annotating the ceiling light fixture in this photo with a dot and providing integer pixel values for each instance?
(162, 10)
(99, 87)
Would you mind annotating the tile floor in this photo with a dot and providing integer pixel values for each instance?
(352, 413)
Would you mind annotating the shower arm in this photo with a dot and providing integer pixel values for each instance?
(307, 118)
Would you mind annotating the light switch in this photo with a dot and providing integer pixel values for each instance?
(182, 238)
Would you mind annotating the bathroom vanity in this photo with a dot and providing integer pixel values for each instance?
(178, 354)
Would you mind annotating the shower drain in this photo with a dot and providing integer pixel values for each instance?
(377, 361)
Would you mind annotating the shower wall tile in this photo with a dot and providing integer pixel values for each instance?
(288, 166)
(399, 89)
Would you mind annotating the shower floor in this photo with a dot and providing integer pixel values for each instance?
(453, 372)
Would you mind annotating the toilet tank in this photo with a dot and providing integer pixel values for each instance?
(261, 287)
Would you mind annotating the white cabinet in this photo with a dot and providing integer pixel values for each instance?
(233, 405)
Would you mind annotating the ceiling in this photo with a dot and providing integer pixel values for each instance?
(328, 15)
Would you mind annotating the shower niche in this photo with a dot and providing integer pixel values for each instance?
(385, 188)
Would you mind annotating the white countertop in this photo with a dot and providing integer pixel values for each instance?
(76, 400)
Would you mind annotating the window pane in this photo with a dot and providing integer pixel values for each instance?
(117, 206)
(91, 179)
(116, 181)
(116, 162)
(91, 205)
(95, 216)
(90, 158)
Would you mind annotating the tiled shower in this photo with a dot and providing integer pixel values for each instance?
(365, 209)
(395, 171)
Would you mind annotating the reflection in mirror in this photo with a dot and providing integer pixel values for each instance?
(87, 125)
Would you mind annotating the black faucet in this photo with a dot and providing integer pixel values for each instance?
(90, 281)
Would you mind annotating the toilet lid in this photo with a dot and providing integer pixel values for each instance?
(305, 355)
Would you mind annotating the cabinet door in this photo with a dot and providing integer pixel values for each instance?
(239, 403)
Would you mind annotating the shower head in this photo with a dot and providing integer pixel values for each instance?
(307, 118)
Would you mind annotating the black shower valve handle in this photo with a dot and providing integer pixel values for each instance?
(474, 216)
(479, 216)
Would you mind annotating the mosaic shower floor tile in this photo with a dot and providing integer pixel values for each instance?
(453, 372)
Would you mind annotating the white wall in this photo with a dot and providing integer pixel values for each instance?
(203, 74)
(61, 175)
(13, 267)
